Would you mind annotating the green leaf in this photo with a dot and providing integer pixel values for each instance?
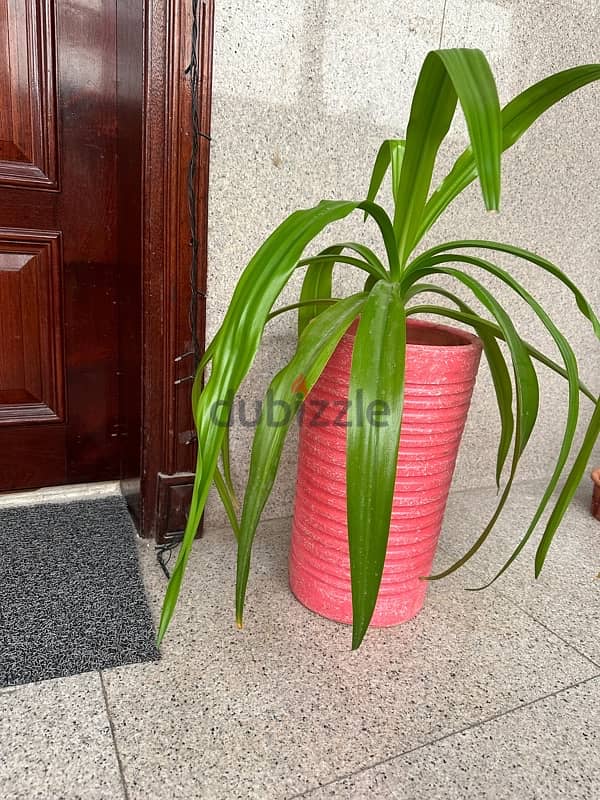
(328, 256)
(322, 302)
(498, 370)
(378, 364)
(229, 500)
(315, 348)
(526, 384)
(447, 75)
(318, 278)
(570, 361)
(571, 484)
(368, 260)
(235, 348)
(482, 244)
(390, 152)
(370, 283)
(316, 286)
(369, 256)
(198, 383)
(517, 117)
(386, 229)
(474, 321)
(228, 480)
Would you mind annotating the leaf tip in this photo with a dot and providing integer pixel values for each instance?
(162, 629)
(358, 634)
(478, 588)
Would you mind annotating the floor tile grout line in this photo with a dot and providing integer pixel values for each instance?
(528, 613)
(114, 738)
(547, 628)
(458, 732)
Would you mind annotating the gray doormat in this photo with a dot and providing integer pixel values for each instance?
(71, 595)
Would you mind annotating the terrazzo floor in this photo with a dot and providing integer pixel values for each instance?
(485, 695)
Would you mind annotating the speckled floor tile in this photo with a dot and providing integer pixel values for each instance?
(283, 706)
(546, 750)
(56, 743)
(566, 597)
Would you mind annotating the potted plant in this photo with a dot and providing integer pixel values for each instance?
(378, 476)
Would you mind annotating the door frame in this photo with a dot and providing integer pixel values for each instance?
(159, 491)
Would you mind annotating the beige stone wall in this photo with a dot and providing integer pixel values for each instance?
(304, 92)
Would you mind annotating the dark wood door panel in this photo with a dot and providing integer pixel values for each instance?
(26, 209)
(31, 356)
(58, 243)
(87, 210)
(92, 371)
(29, 460)
(28, 135)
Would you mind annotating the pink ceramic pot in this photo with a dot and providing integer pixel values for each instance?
(441, 368)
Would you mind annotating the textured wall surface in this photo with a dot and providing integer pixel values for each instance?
(304, 92)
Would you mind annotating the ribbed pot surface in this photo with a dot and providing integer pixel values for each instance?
(440, 375)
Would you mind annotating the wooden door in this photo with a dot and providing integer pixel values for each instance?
(59, 350)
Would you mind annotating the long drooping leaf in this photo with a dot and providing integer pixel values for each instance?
(370, 283)
(369, 256)
(314, 350)
(526, 384)
(368, 261)
(329, 257)
(316, 286)
(386, 229)
(498, 370)
(477, 321)
(378, 365)
(323, 302)
(447, 75)
(482, 244)
(227, 477)
(318, 279)
(517, 117)
(228, 500)
(591, 437)
(390, 152)
(571, 484)
(223, 483)
(237, 342)
(527, 388)
(198, 383)
(570, 362)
